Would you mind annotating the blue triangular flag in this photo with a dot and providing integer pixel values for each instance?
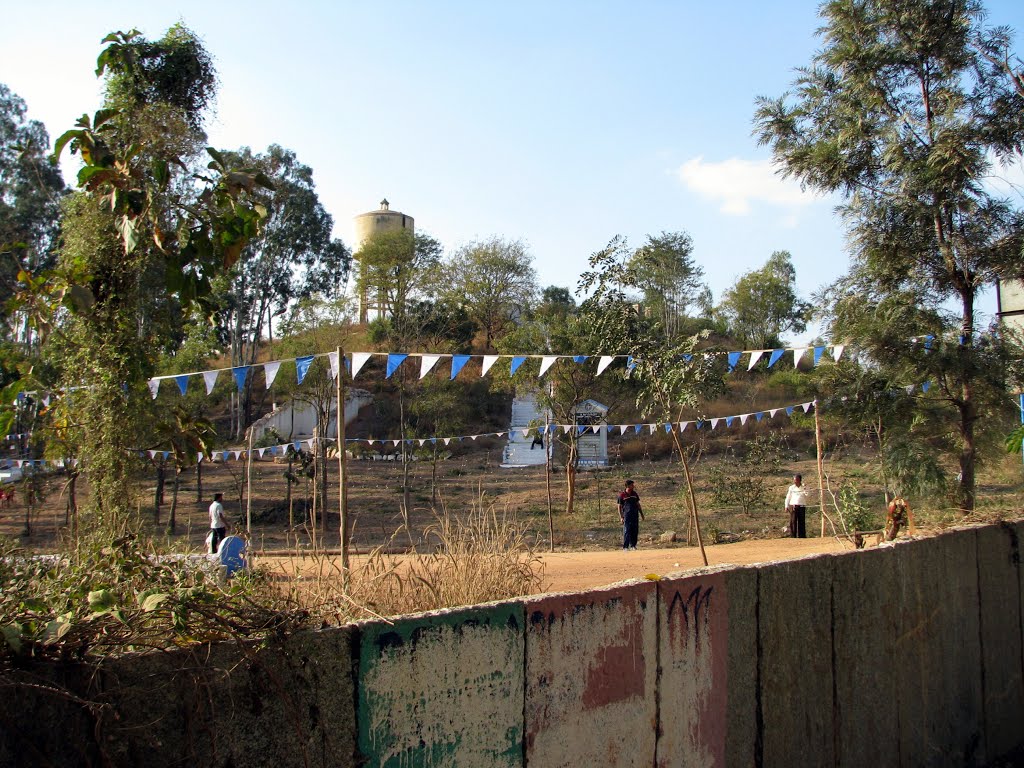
(668, 427)
(182, 382)
(759, 415)
(240, 373)
(166, 454)
(579, 358)
(734, 357)
(638, 428)
(817, 354)
(687, 357)
(516, 362)
(729, 420)
(395, 359)
(302, 366)
(224, 455)
(298, 445)
(928, 341)
(789, 410)
(458, 361)
(698, 425)
(774, 357)
(581, 429)
(926, 386)
(630, 365)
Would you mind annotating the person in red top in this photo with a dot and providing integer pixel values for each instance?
(630, 514)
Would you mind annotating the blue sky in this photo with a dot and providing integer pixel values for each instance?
(559, 123)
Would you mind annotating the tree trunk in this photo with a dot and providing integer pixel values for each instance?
(199, 482)
(690, 495)
(158, 493)
(172, 517)
(967, 407)
(570, 475)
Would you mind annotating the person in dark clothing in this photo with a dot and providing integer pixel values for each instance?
(630, 514)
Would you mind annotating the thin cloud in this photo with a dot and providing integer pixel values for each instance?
(736, 184)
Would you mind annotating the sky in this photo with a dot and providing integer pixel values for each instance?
(561, 124)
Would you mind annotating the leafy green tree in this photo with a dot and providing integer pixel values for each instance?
(30, 191)
(142, 211)
(556, 303)
(902, 112)
(396, 268)
(763, 304)
(670, 378)
(670, 279)
(494, 280)
(294, 257)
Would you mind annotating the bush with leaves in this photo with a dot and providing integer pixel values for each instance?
(109, 599)
(741, 482)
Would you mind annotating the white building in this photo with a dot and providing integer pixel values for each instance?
(592, 446)
(526, 450)
(297, 419)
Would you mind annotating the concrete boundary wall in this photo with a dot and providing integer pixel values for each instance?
(910, 655)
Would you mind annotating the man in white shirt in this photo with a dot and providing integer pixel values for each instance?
(218, 523)
(796, 505)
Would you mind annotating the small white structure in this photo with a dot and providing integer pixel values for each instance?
(526, 450)
(592, 446)
(298, 419)
(1010, 304)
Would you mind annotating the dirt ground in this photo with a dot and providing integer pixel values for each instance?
(567, 571)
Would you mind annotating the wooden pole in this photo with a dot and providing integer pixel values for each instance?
(547, 479)
(342, 475)
(821, 473)
(690, 495)
(248, 487)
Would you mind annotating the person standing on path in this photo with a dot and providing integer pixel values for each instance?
(630, 514)
(796, 506)
(218, 523)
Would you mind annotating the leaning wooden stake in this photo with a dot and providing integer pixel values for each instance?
(248, 487)
(342, 475)
(547, 479)
(821, 472)
(690, 495)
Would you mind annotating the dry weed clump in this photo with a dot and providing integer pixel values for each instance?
(477, 557)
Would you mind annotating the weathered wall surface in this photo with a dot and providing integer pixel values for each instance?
(908, 655)
(591, 676)
(445, 688)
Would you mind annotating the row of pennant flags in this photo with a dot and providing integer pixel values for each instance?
(428, 361)
(549, 429)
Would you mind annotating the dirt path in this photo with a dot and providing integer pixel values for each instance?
(566, 571)
(570, 571)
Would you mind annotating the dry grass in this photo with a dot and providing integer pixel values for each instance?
(470, 558)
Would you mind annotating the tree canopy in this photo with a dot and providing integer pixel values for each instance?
(903, 112)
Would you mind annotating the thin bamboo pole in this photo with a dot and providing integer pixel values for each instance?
(547, 479)
(248, 487)
(690, 494)
(342, 475)
(821, 471)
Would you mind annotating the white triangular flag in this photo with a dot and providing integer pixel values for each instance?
(332, 358)
(772, 412)
(427, 362)
(260, 452)
(395, 442)
(744, 417)
(489, 360)
(604, 362)
(797, 354)
(210, 377)
(807, 406)
(270, 371)
(154, 387)
(652, 427)
(566, 429)
(358, 361)
(526, 432)
(546, 362)
(152, 454)
(683, 425)
(754, 357)
(837, 351)
(199, 458)
(447, 440)
(714, 423)
(238, 455)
